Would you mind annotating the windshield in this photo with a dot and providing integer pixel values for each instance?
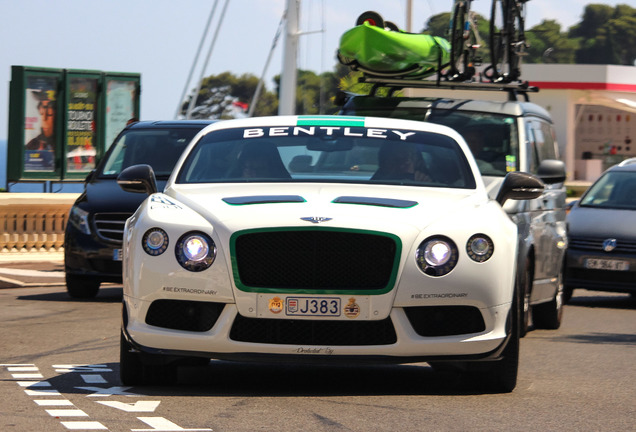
(615, 189)
(493, 138)
(159, 148)
(327, 154)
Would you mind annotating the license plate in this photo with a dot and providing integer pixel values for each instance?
(606, 264)
(313, 306)
(117, 255)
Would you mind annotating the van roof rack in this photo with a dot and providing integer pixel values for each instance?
(514, 89)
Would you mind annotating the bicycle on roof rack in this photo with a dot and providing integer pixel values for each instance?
(507, 40)
(465, 42)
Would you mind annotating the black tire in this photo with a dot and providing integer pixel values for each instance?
(549, 315)
(525, 287)
(389, 25)
(501, 375)
(133, 370)
(499, 43)
(517, 44)
(81, 287)
(456, 39)
(371, 17)
(568, 292)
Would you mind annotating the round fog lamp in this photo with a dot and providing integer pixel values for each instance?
(155, 241)
(480, 248)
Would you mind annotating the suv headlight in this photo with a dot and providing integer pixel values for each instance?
(79, 219)
(195, 251)
(437, 256)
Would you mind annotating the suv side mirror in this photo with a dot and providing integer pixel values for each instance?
(551, 171)
(138, 179)
(520, 186)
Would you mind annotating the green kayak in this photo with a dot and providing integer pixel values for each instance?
(379, 51)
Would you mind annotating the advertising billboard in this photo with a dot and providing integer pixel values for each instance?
(61, 121)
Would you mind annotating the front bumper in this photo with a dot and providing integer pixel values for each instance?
(577, 275)
(407, 346)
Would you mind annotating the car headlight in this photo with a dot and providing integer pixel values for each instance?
(79, 219)
(480, 248)
(195, 251)
(155, 241)
(437, 256)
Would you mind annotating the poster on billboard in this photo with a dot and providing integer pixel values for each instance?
(81, 133)
(39, 124)
(121, 106)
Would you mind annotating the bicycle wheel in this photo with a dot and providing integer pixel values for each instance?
(456, 38)
(517, 39)
(499, 41)
(371, 17)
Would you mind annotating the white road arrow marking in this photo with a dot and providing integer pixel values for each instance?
(139, 406)
(111, 391)
(160, 424)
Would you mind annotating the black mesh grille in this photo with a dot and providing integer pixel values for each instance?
(315, 259)
(432, 321)
(313, 332)
(183, 314)
(596, 244)
(110, 226)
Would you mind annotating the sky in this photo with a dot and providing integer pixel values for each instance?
(159, 38)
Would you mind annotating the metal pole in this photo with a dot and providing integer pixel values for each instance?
(409, 13)
(288, 79)
(207, 59)
(259, 87)
(196, 59)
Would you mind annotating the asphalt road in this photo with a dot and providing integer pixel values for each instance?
(59, 372)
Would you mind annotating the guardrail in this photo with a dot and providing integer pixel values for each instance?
(33, 222)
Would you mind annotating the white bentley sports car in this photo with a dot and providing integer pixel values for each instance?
(322, 239)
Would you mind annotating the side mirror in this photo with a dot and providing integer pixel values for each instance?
(138, 179)
(551, 171)
(90, 176)
(520, 186)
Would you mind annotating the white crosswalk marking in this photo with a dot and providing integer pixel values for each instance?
(87, 425)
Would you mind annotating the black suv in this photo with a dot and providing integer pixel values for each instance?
(94, 232)
(515, 136)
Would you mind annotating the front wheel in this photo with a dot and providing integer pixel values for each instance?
(549, 315)
(82, 287)
(134, 371)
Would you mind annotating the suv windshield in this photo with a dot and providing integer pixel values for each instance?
(614, 190)
(313, 154)
(493, 138)
(159, 148)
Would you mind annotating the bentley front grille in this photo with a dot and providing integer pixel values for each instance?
(316, 259)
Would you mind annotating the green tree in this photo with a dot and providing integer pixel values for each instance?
(221, 97)
(606, 35)
(547, 44)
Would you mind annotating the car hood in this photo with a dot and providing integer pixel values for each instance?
(354, 206)
(106, 196)
(599, 222)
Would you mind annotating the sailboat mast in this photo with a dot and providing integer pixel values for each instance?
(288, 79)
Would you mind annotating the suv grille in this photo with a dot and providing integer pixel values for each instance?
(110, 226)
(596, 244)
(315, 259)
